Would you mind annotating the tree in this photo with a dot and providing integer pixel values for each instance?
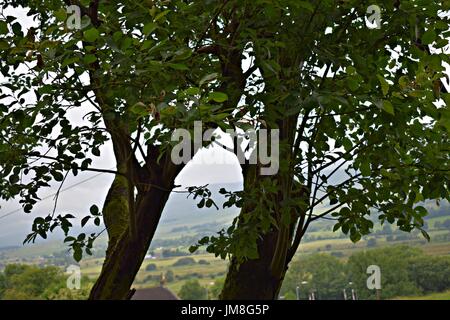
(151, 267)
(322, 273)
(431, 274)
(135, 74)
(184, 262)
(367, 104)
(393, 263)
(24, 282)
(2, 284)
(341, 97)
(405, 271)
(216, 288)
(192, 290)
(170, 276)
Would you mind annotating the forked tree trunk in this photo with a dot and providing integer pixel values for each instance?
(123, 263)
(125, 253)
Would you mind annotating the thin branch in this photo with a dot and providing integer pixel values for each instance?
(300, 131)
(345, 113)
(328, 194)
(58, 192)
(211, 22)
(31, 155)
(341, 157)
(322, 215)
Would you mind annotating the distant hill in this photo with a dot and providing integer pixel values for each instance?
(181, 218)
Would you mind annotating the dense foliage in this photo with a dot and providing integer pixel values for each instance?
(192, 290)
(27, 282)
(405, 271)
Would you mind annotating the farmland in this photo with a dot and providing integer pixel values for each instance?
(181, 230)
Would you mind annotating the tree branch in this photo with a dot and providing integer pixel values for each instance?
(34, 155)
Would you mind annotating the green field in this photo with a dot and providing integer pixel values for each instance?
(217, 267)
(433, 296)
(170, 234)
(205, 273)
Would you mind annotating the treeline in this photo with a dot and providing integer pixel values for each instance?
(193, 290)
(405, 271)
(28, 282)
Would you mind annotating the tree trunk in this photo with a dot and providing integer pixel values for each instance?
(254, 279)
(260, 278)
(126, 252)
(123, 263)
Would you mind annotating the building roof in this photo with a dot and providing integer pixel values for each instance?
(156, 293)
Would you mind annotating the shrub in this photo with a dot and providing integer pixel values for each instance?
(192, 290)
(184, 262)
(151, 267)
(170, 276)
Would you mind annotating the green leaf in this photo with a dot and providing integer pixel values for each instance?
(149, 28)
(428, 37)
(192, 91)
(353, 84)
(140, 109)
(218, 97)
(160, 15)
(17, 29)
(69, 61)
(182, 54)
(220, 116)
(58, 176)
(365, 168)
(77, 254)
(403, 82)
(355, 236)
(96, 152)
(61, 14)
(94, 210)
(388, 107)
(305, 5)
(14, 178)
(3, 27)
(69, 239)
(425, 235)
(208, 78)
(351, 70)
(192, 249)
(85, 220)
(3, 45)
(178, 66)
(89, 58)
(201, 204)
(384, 85)
(91, 35)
